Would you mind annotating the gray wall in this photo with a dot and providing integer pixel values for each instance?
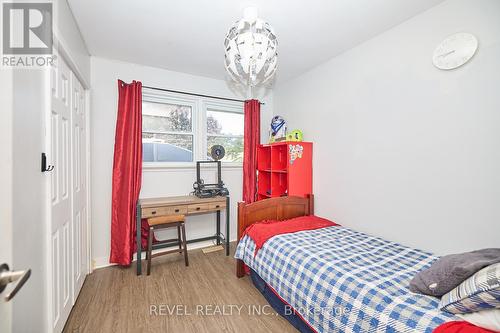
(6, 86)
(401, 149)
(29, 248)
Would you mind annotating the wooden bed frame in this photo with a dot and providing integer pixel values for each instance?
(281, 208)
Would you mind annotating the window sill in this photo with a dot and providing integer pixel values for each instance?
(156, 166)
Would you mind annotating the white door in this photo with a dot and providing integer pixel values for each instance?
(68, 191)
(60, 195)
(6, 92)
(5, 258)
(80, 260)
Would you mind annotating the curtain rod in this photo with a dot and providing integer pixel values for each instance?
(199, 95)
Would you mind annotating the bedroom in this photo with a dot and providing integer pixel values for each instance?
(396, 104)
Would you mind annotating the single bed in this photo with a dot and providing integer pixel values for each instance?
(335, 279)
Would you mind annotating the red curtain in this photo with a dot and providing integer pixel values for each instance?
(127, 172)
(252, 141)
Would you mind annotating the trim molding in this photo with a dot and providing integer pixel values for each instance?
(162, 167)
(102, 262)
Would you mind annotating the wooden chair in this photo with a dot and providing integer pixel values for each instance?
(165, 222)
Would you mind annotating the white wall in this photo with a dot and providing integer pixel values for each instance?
(28, 190)
(402, 149)
(165, 182)
(68, 33)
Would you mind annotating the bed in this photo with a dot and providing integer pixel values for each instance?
(335, 279)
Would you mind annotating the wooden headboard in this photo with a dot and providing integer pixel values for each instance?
(281, 208)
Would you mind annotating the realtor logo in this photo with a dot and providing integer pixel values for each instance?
(27, 30)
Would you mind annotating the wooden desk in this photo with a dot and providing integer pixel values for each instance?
(186, 205)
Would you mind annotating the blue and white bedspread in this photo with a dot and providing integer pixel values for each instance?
(340, 280)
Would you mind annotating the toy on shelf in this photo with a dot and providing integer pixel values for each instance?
(295, 135)
(277, 132)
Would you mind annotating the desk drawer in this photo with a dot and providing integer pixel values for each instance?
(217, 205)
(162, 211)
(198, 208)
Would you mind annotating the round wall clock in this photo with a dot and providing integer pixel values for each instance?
(455, 51)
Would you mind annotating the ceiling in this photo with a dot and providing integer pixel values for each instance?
(187, 35)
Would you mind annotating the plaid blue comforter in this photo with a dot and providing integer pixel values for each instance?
(340, 280)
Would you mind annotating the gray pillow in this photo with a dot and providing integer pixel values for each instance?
(449, 271)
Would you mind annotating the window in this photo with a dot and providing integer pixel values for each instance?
(167, 132)
(226, 129)
(179, 130)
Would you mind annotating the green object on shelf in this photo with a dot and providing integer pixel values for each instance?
(295, 135)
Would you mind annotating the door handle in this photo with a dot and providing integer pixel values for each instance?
(7, 276)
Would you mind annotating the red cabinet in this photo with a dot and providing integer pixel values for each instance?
(284, 168)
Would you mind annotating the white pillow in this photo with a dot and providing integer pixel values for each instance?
(489, 319)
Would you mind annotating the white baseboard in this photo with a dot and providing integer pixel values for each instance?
(101, 262)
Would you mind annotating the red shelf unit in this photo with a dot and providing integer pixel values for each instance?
(284, 168)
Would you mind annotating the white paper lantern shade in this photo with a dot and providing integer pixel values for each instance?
(251, 56)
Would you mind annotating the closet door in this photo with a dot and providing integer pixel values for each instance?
(78, 116)
(61, 246)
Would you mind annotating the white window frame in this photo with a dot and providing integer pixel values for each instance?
(199, 107)
(220, 106)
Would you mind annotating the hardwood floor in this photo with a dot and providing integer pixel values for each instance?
(204, 297)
